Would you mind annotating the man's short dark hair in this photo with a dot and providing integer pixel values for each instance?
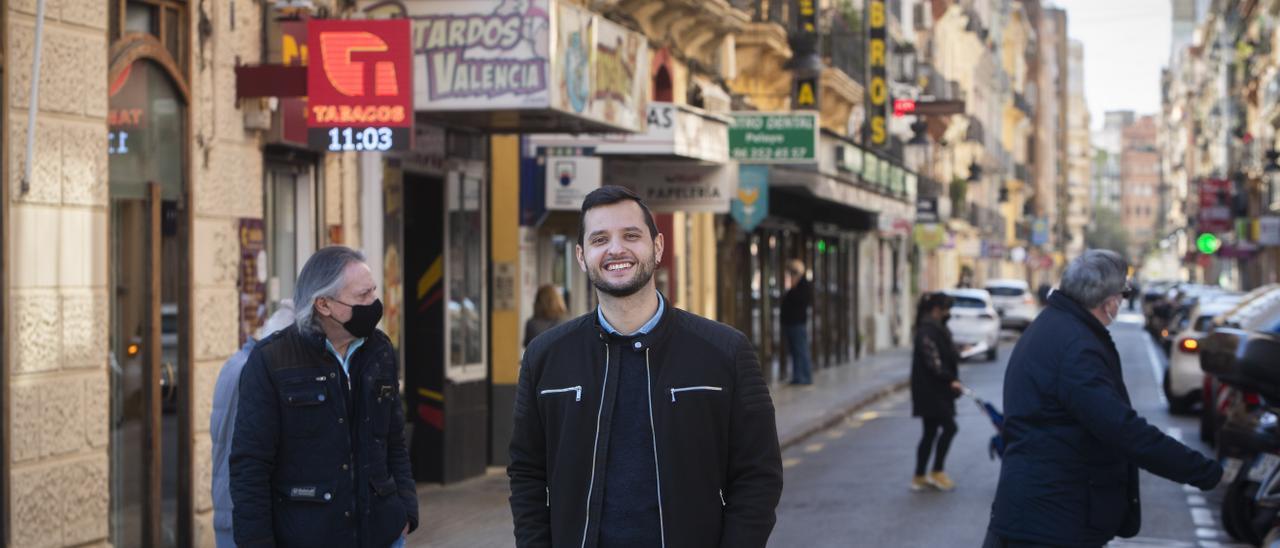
(609, 195)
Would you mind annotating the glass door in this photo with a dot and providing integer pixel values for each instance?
(150, 392)
(292, 227)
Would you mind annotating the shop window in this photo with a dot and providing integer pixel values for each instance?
(293, 204)
(466, 279)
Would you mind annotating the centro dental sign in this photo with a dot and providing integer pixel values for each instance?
(774, 137)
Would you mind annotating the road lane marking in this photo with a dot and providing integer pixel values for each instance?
(1175, 433)
(1207, 533)
(868, 416)
(813, 448)
(788, 463)
(1189, 488)
(1156, 371)
(835, 434)
(1202, 517)
(1195, 500)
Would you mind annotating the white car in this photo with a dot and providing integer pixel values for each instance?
(974, 325)
(1014, 302)
(1184, 379)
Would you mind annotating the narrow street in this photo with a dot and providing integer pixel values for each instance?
(847, 485)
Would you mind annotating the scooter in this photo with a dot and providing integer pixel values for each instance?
(1250, 452)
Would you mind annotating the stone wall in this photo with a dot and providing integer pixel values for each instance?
(227, 187)
(57, 253)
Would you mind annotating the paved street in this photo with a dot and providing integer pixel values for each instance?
(847, 485)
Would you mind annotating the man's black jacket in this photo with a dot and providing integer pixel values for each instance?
(719, 465)
(1073, 442)
(313, 464)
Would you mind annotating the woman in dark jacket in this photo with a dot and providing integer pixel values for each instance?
(934, 387)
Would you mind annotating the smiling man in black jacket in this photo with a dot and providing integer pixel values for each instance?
(640, 424)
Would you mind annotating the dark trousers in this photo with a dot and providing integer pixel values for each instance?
(931, 427)
(798, 346)
(996, 541)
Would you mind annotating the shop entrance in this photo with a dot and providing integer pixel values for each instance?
(445, 324)
(150, 390)
(424, 305)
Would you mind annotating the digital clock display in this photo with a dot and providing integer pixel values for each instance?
(358, 139)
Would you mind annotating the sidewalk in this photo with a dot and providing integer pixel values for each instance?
(475, 512)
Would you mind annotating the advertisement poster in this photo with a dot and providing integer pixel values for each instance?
(575, 38)
(750, 203)
(621, 82)
(253, 276)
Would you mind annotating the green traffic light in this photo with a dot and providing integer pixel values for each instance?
(1208, 243)
(822, 247)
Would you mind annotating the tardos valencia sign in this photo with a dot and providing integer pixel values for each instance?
(359, 85)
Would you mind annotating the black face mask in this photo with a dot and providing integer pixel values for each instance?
(364, 318)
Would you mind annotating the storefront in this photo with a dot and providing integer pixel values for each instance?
(841, 210)
(541, 66)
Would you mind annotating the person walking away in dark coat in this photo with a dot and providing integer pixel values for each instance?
(548, 311)
(935, 385)
(640, 424)
(222, 421)
(795, 321)
(1073, 441)
(318, 457)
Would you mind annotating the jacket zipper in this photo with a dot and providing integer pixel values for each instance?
(657, 468)
(722, 502)
(692, 388)
(595, 448)
(575, 389)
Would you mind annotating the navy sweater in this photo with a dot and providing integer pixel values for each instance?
(630, 514)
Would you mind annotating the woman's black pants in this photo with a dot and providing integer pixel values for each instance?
(931, 427)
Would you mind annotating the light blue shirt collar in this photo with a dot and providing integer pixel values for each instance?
(351, 349)
(644, 329)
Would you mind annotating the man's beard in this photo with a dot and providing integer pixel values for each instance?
(643, 274)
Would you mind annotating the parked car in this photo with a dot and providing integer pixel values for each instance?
(974, 325)
(1013, 302)
(1183, 379)
(1257, 315)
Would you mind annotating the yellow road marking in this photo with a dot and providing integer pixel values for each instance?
(869, 416)
(788, 463)
(813, 447)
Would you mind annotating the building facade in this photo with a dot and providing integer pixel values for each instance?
(1139, 185)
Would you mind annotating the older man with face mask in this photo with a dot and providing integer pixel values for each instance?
(318, 457)
(1074, 443)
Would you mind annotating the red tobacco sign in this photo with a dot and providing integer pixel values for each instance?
(359, 85)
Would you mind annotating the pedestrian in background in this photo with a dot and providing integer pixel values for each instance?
(935, 385)
(1073, 441)
(548, 312)
(640, 424)
(318, 457)
(795, 321)
(222, 421)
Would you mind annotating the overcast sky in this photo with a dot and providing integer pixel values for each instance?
(1126, 43)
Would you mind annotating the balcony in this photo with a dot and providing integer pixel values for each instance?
(843, 43)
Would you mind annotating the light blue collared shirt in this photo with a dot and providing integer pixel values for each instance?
(644, 329)
(345, 361)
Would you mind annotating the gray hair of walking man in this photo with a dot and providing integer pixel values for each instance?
(322, 276)
(1093, 279)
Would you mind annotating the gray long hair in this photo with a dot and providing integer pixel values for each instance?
(1094, 276)
(321, 277)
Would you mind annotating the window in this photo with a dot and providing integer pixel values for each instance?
(465, 262)
(1005, 291)
(166, 20)
(968, 302)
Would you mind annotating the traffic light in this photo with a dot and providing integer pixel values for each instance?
(1208, 243)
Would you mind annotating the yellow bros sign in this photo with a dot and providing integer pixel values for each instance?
(878, 88)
